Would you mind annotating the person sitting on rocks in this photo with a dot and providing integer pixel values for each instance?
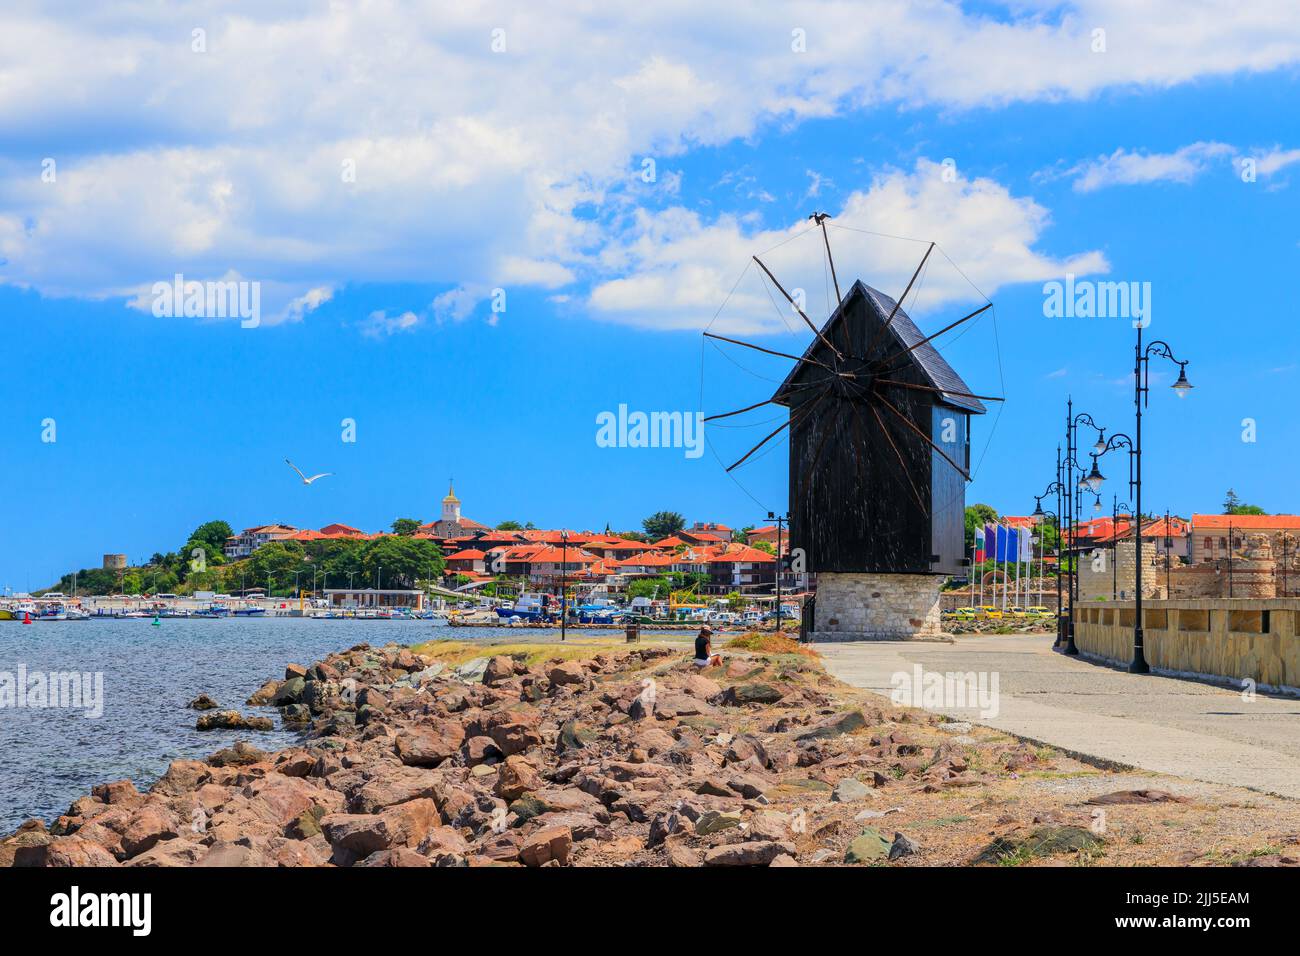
(703, 650)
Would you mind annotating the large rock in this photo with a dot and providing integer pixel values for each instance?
(753, 853)
(841, 724)
(870, 846)
(363, 833)
(233, 720)
(500, 668)
(290, 692)
(545, 845)
(739, 695)
(203, 702)
(69, 851)
(391, 786)
(515, 778)
(570, 672)
(430, 745)
(149, 825)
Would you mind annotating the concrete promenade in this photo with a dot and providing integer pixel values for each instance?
(1168, 725)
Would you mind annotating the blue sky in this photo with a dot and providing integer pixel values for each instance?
(522, 171)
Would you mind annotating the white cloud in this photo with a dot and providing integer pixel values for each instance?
(673, 269)
(1128, 168)
(315, 145)
(380, 324)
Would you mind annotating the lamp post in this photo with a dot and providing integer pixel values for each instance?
(1040, 514)
(1141, 394)
(564, 563)
(1071, 493)
(780, 525)
(1114, 528)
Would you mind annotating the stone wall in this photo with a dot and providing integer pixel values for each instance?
(877, 607)
(1097, 576)
(1228, 640)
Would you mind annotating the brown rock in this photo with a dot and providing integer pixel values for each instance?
(118, 793)
(149, 825)
(757, 853)
(515, 778)
(546, 844)
(362, 834)
(500, 668)
(570, 672)
(430, 745)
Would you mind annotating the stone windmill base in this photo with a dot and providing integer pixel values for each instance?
(877, 607)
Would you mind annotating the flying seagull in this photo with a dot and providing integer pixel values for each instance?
(305, 479)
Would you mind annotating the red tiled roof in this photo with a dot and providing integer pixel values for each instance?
(337, 529)
(469, 554)
(743, 553)
(1246, 522)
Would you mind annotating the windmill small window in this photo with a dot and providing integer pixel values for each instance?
(879, 433)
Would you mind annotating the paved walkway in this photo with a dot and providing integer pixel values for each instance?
(1163, 724)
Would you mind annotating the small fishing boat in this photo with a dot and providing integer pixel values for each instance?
(250, 611)
(530, 606)
(77, 614)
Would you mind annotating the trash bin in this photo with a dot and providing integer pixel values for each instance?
(633, 633)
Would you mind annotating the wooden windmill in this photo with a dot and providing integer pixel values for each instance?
(879, 429)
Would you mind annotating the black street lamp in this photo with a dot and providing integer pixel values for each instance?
(1114, 551)
(564, 597)
(1141, 395)
(1041, 515)
(1072, 494)
(780, 525)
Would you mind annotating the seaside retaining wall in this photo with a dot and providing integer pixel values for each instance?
(1218, 638)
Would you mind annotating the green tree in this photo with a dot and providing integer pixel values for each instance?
(977, 516)
(213, 533)
(1232, 505)
(736, 601)
(661, 524)
(405, 526)
(272, 566)
(767, 546)
(510, 526)
(397, 562)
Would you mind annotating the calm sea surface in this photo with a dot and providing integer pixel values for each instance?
(49, 757)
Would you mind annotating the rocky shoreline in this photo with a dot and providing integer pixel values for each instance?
(629, 757)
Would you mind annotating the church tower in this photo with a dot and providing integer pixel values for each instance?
(451, 506)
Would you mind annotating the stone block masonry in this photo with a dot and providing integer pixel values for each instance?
(877, 607)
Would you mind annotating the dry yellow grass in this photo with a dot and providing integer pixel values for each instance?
(770, 644)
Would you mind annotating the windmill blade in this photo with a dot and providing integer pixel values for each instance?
(799, 416)
(812, 361)
(928, 338)
(816, 331)
(912, 425)
(941, 391)
(898, 303)
(907, 472)
(820, 218)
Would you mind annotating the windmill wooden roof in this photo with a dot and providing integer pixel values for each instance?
(925, 358)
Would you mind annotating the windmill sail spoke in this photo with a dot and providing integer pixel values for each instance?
(898, 303)
(907, 472)
(940, 391)
(798, 416)
(912, 425)
(816, 331)
(811, 361)
(966, 318)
